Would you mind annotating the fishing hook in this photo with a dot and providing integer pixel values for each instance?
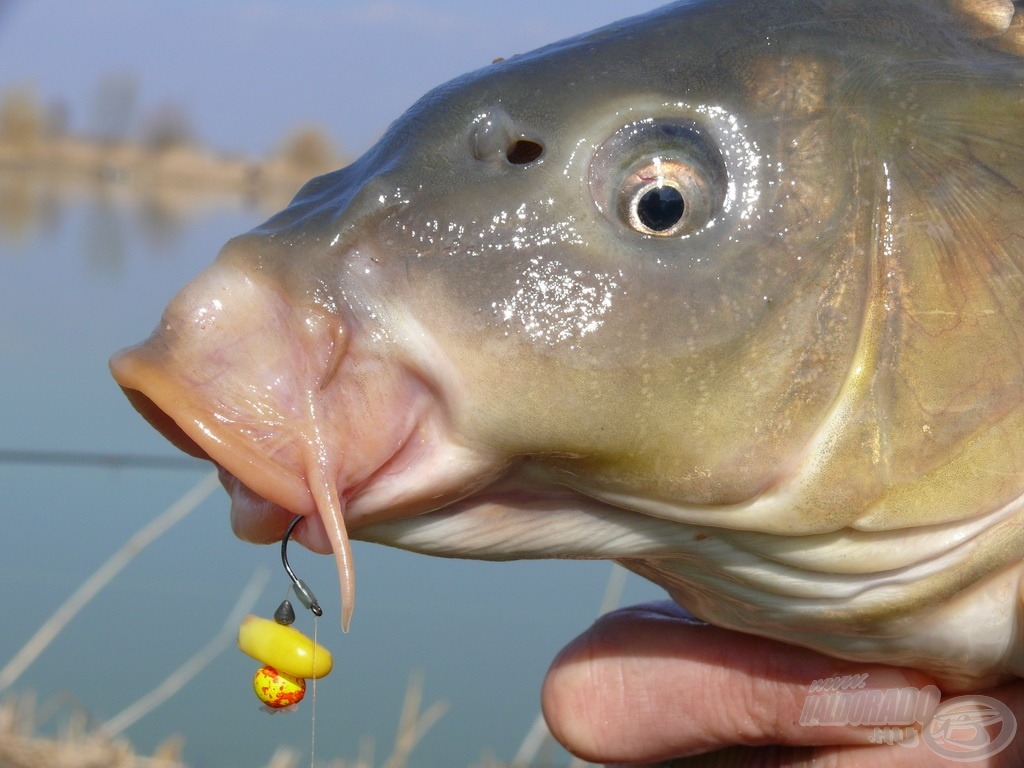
(303, 592)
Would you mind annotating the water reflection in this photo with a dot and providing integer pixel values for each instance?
(32, 205)
(28, 209)
(160, 179)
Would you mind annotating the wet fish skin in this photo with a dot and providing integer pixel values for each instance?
(801, 413)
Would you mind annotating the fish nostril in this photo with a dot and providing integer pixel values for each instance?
(496, 137)
(524, 151)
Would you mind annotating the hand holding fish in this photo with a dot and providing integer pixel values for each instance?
(648, 683)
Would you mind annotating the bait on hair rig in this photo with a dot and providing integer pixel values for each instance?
(288, 656)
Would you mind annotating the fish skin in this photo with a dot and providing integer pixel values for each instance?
(802, 415)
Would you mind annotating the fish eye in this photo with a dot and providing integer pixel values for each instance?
(661, 178)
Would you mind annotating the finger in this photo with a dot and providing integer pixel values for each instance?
(937, 746)
(646, 684)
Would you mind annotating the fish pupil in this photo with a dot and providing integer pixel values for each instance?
(660, 208)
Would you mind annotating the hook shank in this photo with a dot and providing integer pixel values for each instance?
(302, 591)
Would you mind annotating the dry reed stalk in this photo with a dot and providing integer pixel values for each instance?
(103, 575)
(283, 757)
(75, 747)
(180, 677)
(539, 733)
(78, 746)
(17, 716)
(366, 750)
(413, 725)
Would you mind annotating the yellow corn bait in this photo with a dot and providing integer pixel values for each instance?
(284, 648)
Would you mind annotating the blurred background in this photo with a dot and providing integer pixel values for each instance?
(135, 138)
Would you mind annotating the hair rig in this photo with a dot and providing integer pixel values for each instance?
(288, 656)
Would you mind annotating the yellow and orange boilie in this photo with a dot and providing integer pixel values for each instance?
(288, 656)
(276, 689)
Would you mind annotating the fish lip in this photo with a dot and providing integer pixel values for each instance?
(253, 479)
(159, 400)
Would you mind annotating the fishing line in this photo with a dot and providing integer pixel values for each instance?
(312, 718)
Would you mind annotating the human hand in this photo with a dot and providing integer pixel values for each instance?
(648, 684)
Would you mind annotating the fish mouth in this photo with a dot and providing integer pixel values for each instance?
(190, 428)
(373, 444)
(259, 516)
(274, 392)
(269, 479)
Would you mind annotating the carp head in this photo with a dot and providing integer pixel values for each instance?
(729, 292)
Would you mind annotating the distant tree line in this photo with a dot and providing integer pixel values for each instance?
(114, 117)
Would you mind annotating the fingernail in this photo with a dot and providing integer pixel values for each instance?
(659, 609)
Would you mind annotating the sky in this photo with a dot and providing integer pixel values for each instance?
(248, 72)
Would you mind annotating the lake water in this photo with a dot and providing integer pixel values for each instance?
(85, 274)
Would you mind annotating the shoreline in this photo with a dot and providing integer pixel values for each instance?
(189, 175)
